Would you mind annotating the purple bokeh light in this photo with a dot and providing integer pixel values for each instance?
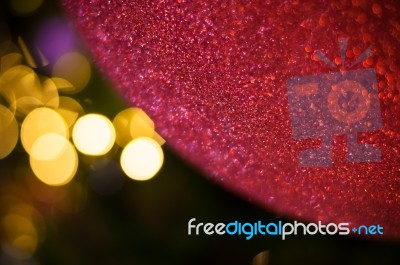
(54, 38)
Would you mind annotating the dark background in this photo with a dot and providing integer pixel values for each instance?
(146, 222)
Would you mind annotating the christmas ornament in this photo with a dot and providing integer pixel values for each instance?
(292, 104)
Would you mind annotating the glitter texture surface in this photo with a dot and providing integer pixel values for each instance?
(212, 74)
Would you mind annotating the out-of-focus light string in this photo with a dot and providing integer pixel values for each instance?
(53, 126)
(41, 114)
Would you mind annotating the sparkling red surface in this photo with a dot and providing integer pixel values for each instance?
(212, 75)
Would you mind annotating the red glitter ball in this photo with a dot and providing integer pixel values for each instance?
(212, 74)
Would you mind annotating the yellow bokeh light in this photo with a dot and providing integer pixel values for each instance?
(50, 97)
(132, 123)
(75, 68)
(10, 60)
(48, 147)
(20, 236)
(21, 82)
(142, 158)
(27, 243)
(32, 214)
(39, 122)
(63, 85)
(70, 110)
(24, 7)
(93, 134)
(23, 90)
(54, 160)
(122, 123)
(158, 139)
(8, 132)
(24, 105)
(141, 124)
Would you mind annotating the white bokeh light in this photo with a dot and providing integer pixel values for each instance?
(93, 134)
(142, 158)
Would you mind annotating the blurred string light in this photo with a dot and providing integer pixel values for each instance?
(47, 118)
(54, 159)
(8, 132)
(39, 122)
(132, 123)
(44, 113)
(21, 236)
(142, 158)
(70, 110)
(93, 134)
(21, 88)
(22, 229)
(74, 68)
